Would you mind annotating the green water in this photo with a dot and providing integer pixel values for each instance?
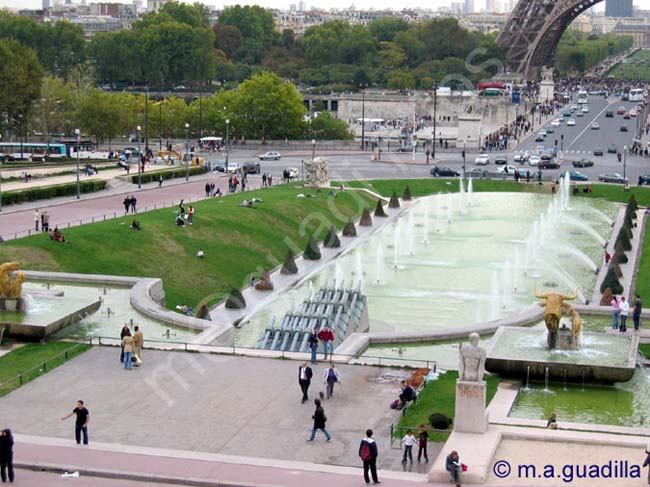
(102, 323)
(623, 404)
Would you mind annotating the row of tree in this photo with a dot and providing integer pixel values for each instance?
(263, 107)
(611, 284)
(577, 52)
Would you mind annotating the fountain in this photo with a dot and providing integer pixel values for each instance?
(425, 229)
(379, 263)
(396, 242)
(470, 190)
(40, 314)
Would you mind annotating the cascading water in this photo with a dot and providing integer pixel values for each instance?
(338, 277)
(396, 242)
(425, 225)
(461, 196)
(470, 190)
(410, 234)
(438, 209)
(379, 262)
(449, 207)
(358, 268)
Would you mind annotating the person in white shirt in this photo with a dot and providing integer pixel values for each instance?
(408, 441)
(37, 219)
(625, 309)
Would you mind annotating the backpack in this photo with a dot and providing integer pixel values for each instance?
(366, 452)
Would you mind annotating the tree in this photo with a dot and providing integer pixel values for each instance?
(256, 25)
(326, 127)
(98, 116)
(21, 85)
(391, 55)
(265, 106)
(312, 251)
(228, 38)
(400, 79)
(197, 15)
(385, 29)
(338, 42)
(611, 281)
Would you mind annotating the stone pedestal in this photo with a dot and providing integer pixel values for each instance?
(546, 91)
(471, 416)
(468, 131)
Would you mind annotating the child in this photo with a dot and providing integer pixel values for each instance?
(408, 441)
(423, 438)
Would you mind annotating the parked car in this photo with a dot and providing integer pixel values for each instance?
(270, 156)
(645, 179)
(611, 177)
(445, 172)
(233, 167)
(571, 122)
(609, 114)
(405, 148)
(477, 172)
(251, 167)
(583, 163)
(550, 164)
(611, 149)
(293, 172)
(501, 159)
(595, 126)
(623, 128)
(534, 160)
(598, 151)
(482, 160)
(575, 176)
(507, 169)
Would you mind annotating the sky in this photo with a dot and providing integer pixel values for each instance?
(284, 4)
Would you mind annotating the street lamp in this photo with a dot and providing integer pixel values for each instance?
(187, 150)
(624, 161)
(227, 140)
(435, 109)
(464, 155)
(77, 133)
(363, 115)
(137, 134)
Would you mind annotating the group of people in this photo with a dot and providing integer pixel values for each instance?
(130, 203)
(43, 219)
(621, 310)
(184, 217)
(326, 336)
(410, 440)
(210, 190)
(234, 182)
(131, 346)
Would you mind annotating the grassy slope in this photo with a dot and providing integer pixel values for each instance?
(236, 241)
(31, 355)
(438, 396)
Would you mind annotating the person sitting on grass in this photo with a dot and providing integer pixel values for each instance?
(408, 394)
(247, 204)
(57, 235)
(136, 225)
(180, 221)
(200, 253)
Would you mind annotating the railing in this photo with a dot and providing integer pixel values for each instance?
(40, 369)
(235, 350)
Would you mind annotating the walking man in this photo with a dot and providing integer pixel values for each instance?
(81, 425)
(330, 377)
(423, 438)
(138, 341)
(368, 453)
(6, 455)
(190, 215)
(133, 201)
(319, 422)
(37, 219)
(312, 343)
(160, 180)
(636, 315)
(304, 379)
(127, 343)
(625, 309)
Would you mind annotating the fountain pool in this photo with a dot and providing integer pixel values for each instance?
(446, 263)
(101, 323)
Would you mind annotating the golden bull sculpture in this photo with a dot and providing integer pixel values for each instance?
(11, 285)
(554, 305)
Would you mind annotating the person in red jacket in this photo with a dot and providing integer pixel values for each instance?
(326, 335)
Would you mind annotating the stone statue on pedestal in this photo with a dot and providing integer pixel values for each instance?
(471, 366)
(547, 74)
(316, 172)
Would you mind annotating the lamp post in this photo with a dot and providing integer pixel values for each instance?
(77, 133)
(187, 150)
(146, 119)
(624, 162)
(227, 141)
(464, 155)
(137, 133)
(363, 116)
(435, 109)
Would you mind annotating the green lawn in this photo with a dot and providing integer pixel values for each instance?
(237, 241)
(636, 67)
(438, 396)
(424, 187)
(24, 360)
(644, 348)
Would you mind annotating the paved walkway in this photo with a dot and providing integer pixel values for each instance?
(211, 403)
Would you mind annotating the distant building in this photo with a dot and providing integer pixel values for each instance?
(155, 5)
(47, 4)
(93, 24)
(619, 8)
(490, 6)
(468, 7)
(127, 13)
(301, 6)
(292, 7)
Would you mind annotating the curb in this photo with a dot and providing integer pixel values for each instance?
(135, 476)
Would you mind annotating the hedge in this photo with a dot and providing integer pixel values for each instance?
(147, 177)
(47, 192)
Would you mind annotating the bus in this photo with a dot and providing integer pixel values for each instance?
(636, 94)
(582, 97)
(31, 151)
(491, 89)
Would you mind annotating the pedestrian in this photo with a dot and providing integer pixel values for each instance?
(133, 202)
(326, 336)
(127, 204)
(127, 344)
(207, 189)
(212, 189)
(190, 215)
(304, 380)
(408, 441)
(423, 440)
(552, 421)
(624, 306)
(452, 465)
(368, 454)
(616, 310)
(636, 314)
(319, 422)
(264, 179)
(37, 219)
(160, 181)
(181, 209)
(608, 257)
(81, 424)
(312, 343)
(138, 342)
(330, 377)
(6, 455)
(269, 180)
(124, 333)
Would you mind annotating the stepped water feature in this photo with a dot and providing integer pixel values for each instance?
(343, 310)
(417, 280)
